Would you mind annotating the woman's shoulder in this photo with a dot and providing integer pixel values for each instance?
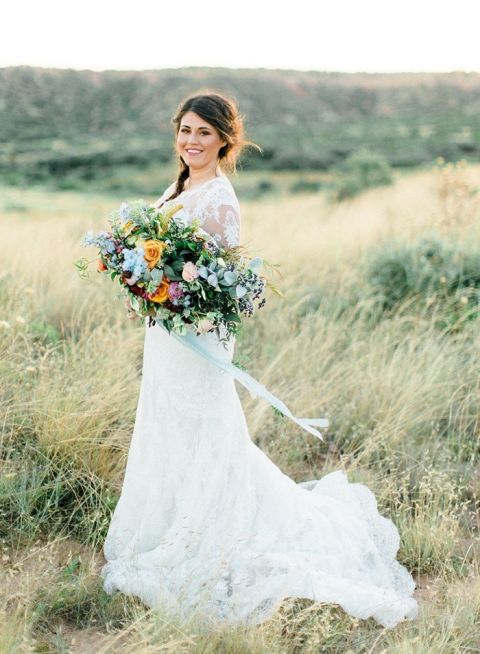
(168, 191)
(223, 190)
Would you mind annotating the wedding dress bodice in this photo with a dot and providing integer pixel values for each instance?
(214, 203)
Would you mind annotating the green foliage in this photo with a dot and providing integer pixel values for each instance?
(432, 272)
(15, 207)
(433, 278)
(305, 186)
(78, 599)
(44, 332)
(49, 495)
(258, 189)
(361, 170)
(428, 266)
(112, 127)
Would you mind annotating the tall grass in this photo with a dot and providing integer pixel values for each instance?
(398, 379)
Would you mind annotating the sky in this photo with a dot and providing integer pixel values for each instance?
(339, 35)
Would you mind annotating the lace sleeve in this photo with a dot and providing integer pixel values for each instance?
(222, 218)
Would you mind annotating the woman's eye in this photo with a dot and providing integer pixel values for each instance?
(202, 134)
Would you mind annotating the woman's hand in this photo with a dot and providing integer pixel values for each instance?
(130, 312)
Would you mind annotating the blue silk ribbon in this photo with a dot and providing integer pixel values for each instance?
(252, 385)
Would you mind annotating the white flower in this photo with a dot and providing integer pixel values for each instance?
(4, 324)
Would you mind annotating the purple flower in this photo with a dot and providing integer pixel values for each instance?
(175, 291)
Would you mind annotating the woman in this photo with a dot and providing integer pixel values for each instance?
(206, 522)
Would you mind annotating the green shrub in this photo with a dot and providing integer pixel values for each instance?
(77, 598)
(44, 332)
(49, 496)
(16, 207)
(305, 186)
(361, 170)
(430, 275)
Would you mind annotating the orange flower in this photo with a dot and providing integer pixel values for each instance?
(101, 266)
(153, 251)
(161, 294)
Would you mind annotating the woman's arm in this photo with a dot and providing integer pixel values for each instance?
(224, 224)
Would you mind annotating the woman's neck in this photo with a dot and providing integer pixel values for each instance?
(193, 180)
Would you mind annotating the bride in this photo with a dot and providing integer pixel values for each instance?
(206, 523)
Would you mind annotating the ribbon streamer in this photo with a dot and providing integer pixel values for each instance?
(254, 387)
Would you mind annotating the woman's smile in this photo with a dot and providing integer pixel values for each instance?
(199, 142)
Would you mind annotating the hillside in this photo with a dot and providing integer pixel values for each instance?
(55, 121)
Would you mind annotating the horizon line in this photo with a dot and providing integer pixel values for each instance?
(251, 68)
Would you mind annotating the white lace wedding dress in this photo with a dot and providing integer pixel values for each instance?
(206, 522)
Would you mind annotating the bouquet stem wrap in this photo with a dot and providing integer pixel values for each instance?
(254, 387)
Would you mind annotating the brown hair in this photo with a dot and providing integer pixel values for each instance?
(222, 113)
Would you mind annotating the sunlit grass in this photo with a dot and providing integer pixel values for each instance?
(400, 390)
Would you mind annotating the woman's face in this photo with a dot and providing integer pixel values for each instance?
(195, 134)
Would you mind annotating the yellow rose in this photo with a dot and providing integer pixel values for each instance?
(127, 228)
(161, 294)
(153, 251)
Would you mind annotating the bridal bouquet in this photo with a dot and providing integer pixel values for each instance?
(179, 276)
(176, 273)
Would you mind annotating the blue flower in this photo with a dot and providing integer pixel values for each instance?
(124, 211)
(103, 241)
(89, 238)
(133, 261)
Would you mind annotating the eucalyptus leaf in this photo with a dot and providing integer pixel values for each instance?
(134, 302)
(157, 275)
(230, 277)
(256, 262)
(241, 290)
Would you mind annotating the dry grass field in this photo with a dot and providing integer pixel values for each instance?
(378, 330)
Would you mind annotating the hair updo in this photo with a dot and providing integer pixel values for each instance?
(222, 113)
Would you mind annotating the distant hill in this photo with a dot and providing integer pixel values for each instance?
(55, 120)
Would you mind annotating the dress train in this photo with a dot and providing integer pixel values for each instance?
(207, 522)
